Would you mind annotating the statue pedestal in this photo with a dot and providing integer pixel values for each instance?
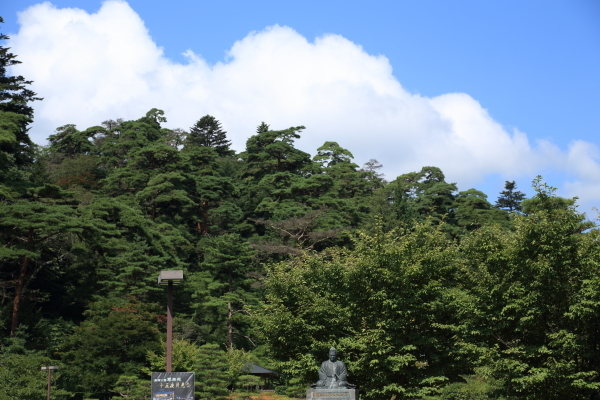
(332, 394)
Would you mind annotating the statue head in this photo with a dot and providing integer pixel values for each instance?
(332, 354)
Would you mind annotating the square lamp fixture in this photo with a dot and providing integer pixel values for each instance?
(174, 276)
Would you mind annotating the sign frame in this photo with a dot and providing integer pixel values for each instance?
(173, 385)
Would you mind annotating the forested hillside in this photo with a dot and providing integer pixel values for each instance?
(427, 290)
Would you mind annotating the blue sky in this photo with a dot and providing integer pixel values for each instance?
(532, 66)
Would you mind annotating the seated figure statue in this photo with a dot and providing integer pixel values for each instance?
(333, 373)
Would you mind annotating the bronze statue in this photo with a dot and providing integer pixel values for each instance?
(333, 373)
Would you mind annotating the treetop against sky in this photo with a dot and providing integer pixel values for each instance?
(487, 91)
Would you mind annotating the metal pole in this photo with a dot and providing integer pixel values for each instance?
(169, 324)
(49, 379)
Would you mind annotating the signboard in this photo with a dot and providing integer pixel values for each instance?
(172, 386)
(332, 394)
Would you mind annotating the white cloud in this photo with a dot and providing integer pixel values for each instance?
(92, 67)
(583, 162)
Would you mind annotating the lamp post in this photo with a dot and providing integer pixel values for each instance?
(170, 278)
(49, 368)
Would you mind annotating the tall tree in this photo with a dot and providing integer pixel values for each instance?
(472, 211)
(510, 199)
(331, 154)
(263, 127)
(211, 194)
(349, 189)
(272, 168)
(435, 196)
(274, 151)
(31, 230)
(175, 137)
(224, 289)
(211, 373)
(68, 142)
(127, 250)
(15, 98)
(534, 321)
(38, 221)
(415, 196)
(111, 343)
(369, 171)
(207, 132)
(125, 136)
(13, 177)
(16, 149)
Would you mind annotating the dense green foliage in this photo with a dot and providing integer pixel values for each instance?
(410, 309)
(427, 291)
(388, 306)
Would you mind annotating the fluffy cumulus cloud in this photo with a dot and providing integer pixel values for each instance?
(93, 67)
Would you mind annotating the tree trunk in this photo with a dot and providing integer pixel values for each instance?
(230, 324)
(205, 207)
(19, 289)
(230, 318)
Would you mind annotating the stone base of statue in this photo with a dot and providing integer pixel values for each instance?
(332, 394)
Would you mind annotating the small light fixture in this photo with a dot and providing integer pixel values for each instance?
(49, 368)
(170, 276)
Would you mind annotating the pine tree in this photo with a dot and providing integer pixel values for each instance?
(370, 173)
(13, 178)
(14, 100)
(263, 127)
(223, 288)
(127, 250)
(273, 151)
(345, 196)
(414, 196)
(16, 149)
(125, 136)
(429, 193)
(210, 193)
(510, 199)
(207, 132)
(211, 374)
(472, 211)
(112, 342)
(32, 229)
(68, 142)
(175, 137)
(35, 222)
